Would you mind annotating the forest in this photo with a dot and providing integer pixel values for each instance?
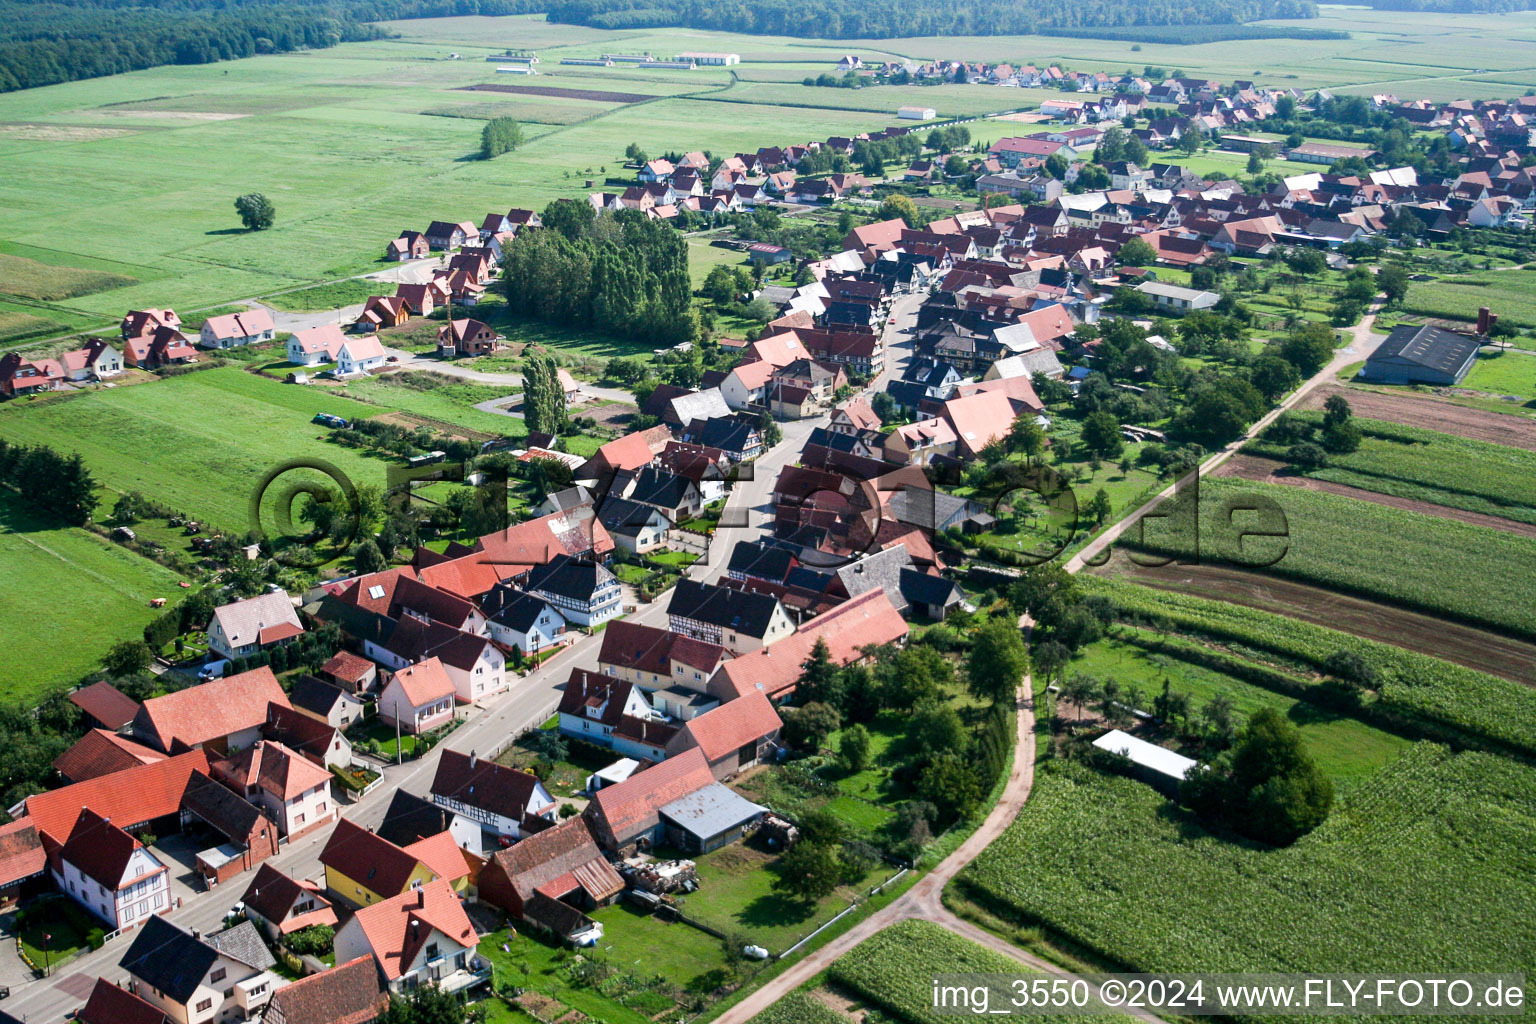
(63, 40)
(616, 273)
(866, 19)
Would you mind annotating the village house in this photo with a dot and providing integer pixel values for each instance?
(677, 802)
(550, 879)
(584, 591)
(363, 868)
(221, 715)
(417, 938)
(382, 311)
(358, 356)
(733, 736)
(222, 977)
(418, 698)
(281, 906)
(465, 337)
(112, 1004)
(1177, 298)
(673, 669)
(487, 797)
(163, 346)
(315, 346)
(245, 627)
(321, 742)
(232, 329)
(636, 529)
(99, 753)
(471, 663)
(613, 713)
(349, 993)
(444, 235)
(250, 837)
(737, 620)
(411, 245)
(294, 791)
(356, 674)
(332, 704)
(517, 619)
(111, 874)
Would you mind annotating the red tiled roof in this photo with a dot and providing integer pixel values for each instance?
(272, 894)
(632, 806)
(395, 942)
(734, 724)
(21, 852)
(267, 763)
(424, 682)
(442, 855)
(100, 849)
(480, 782)
(109, 1004)
(867, 619)
(210, 710)
(127, 797)
(978, 420)
(349, 993)
(106, 703)
(348, 666)
(101, 753)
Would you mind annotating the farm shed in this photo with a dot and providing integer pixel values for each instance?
(1158, 767)
(1421, 355)
(708, 818)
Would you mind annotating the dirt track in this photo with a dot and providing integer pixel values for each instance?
(1416, 410)
(1270, 471)
(1463, 645)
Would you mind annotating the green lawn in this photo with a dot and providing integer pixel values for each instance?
(329, 296)
(653, 964)
(736, 896)
(1347, 749)
(384, 735)
(46, 573)
(64, 921)
(1508, 373)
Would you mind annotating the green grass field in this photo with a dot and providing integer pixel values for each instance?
(1391, 881)
(34, 280)
(69, 596)
(328, 296)
(1347, 749)
(1507, 373)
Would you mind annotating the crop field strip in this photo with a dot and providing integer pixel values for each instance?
(1433, 565)
(1431, 413)
(1418, 694)
(1426, 465)
(894, 970)
(1405, 875)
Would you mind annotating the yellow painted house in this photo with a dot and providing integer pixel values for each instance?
(362, 868)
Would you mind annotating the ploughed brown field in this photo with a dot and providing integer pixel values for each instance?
(600, 95)
(1429, 413)
(1272, 471)
(1463, 645)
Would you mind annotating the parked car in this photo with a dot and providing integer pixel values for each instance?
(214, 670)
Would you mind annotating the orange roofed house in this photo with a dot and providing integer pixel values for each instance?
(293, 790)
(677, 802)
(732, 736)
(418, 698)
(110, 873)
(417, 937)
(223, 715)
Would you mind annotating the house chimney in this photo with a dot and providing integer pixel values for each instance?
(473, 760)
(421, 899)
(197, 934)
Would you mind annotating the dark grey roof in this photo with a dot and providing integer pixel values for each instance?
(724, 607)
(620, 515)
(568, 577)
(243, 942)
(878, 571)
(758, 558)
(1429, 347)
(164, 957)
(923, 588)
(928, 508)
(221, 808)
(849, 443)
(907, 394)
(410, 818)
(519, 611)
(313, 694)
(658, 487)
(807, 578)
(729, 434)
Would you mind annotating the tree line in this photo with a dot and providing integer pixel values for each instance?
(47, 43)
(617, 273)
(55, 484)
(892, 18)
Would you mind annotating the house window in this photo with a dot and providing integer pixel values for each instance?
(206, 1004)
(217, 975)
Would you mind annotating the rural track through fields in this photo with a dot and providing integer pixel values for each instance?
(924, 901)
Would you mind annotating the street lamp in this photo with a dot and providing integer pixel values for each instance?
(47, 938)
